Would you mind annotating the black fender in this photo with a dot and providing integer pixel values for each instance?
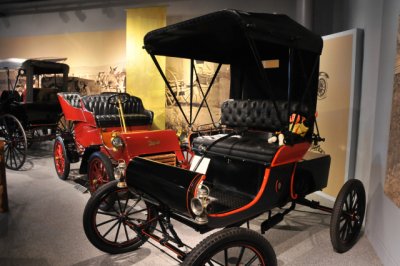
(170, 186)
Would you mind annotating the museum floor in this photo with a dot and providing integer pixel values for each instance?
(44, 227)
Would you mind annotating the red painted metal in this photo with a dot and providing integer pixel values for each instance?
(59, 158)
(290, 154)
(71, 113)
(97, 174)
(138, 140)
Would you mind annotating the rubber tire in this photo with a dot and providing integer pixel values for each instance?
(339, 245)
(25, 143)
(107, 164)
(91, 234)
(67, 164)
(235, 235)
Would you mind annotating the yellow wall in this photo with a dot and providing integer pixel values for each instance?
(142, 77)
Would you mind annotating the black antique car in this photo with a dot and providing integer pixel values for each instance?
(29, 108)
(256, 161)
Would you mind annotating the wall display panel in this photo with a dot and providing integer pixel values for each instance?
(143, 79)
(178, 75)
(96, 59)
(392, 182)
(338, 105)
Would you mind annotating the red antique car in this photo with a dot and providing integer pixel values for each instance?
(256, 161)
(108, 130)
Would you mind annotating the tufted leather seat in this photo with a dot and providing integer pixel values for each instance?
(106, 115)
(73, 98)
(256, 114)
(260, 117)
(251, 145)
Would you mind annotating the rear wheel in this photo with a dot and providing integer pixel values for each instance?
(15, 141)
(120, 229)
(348, 215)
(64, 125)
(61, 161)
(232, 246)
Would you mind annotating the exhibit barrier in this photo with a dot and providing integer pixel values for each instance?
(3, 183)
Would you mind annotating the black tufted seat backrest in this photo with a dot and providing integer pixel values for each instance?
(98, 105)
(255, 114)
(72, 98)
(107, 114)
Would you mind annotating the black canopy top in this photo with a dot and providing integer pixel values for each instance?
(224, 36)
(40, 67)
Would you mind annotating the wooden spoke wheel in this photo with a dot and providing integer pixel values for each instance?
(64, 125)
(119, 229)
(15, 141)
(348, 215)
(100, 171)
(232, 246)
(61, 161)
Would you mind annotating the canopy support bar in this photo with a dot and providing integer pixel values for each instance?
(290, 81)
(168, 85)
(191, 92)
(263, 75)
(309, 80)
(202, 95)
(208, 90)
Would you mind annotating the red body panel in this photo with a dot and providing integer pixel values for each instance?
(87, 135)
(141, 143)
(71, 113)
(138, 141)
(290, 154)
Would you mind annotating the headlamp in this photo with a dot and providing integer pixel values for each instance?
(117, 142)
(199, 204)
(119, 174)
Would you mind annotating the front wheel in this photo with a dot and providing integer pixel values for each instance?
(347, 216)
(100, 171)
(232, 246)
(122, 228)
(61, 161)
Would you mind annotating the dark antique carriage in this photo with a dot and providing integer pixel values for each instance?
(255, 161)
(28, 105)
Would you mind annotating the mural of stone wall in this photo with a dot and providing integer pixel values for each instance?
(392, 183)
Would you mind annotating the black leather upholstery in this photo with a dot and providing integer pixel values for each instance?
(74, 99)
(260, 118)
(256, 114)
(250, 145)
(106, 114)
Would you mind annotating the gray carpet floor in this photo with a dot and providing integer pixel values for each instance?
(44, 227)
